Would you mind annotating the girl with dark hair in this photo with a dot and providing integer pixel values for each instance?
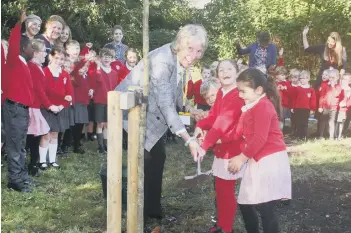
(267, 177)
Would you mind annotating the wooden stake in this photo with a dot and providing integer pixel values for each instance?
(142, 122)
(114, 164)
(133, 170)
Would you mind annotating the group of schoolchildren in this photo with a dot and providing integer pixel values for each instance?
(51, 91)
(330, 103)
(277, 96)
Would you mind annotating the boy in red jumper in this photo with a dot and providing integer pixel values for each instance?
(284, 88)
(294, 76)
(223, 115)
(267, 177)
(344, 105)
(19, 94)
(194, 89)
(304, 102)
(317, 115)
(106, 80)
(331, 94)
(348, 113)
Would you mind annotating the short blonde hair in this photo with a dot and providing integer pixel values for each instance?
(71, 43)
(188, 31)
(294, 72)
(305, 73)
(37, 45)
(334, 73)
(207, 84)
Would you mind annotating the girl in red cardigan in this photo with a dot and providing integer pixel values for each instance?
(303, 103)
(194, 89)
(267, 177)
(344, 105)
(330, 96)
(38, 126)
(106, 80)
(223, 115)
(59, 91)
(284, 88)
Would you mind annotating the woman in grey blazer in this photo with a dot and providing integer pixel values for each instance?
(167, 66)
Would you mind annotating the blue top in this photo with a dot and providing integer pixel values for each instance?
(259, 55)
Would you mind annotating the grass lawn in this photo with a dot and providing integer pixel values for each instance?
(70, 200)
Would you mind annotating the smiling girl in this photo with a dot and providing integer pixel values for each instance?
(267, 177)
(223, 116)
(65, 36)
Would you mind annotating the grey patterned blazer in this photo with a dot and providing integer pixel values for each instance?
(164, 93)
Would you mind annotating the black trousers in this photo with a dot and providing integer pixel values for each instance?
(33, 143)
(77, 135)
(347, 122)
(268, 217)
(203, 107)
(328, 121)
(301, 121)
(16, 127)
(153, 171)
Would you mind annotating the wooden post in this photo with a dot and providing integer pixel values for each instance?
(114, 164)
(142, 122)
(133, 171)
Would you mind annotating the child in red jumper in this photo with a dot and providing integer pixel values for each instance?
(294, 76)
(284, 88)
(317, 115)
(344, 105)
(38, 125)
(303, 103)
(194, 89)
(106, 80)
(59, 91)
(331, 95)
(223, 115)
(19, 96)
(267, 177)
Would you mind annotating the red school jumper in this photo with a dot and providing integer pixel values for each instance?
(105, 82)
(39, 84)
(261, 132)
(121, 70)
(59, 88)
(330, 96)
(284, 88)
(18, 84)
(194, 90)
(304, 98)
(81, 84)
(222, 118)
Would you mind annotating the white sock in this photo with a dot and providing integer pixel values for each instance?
(42, 154)
(52, 152)
(105, 133)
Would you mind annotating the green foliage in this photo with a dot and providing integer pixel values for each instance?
(225, 20)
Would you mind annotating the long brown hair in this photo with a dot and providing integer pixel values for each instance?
(337, 51)
(256, 78)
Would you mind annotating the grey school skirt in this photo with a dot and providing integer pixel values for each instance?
(58, 122)
(100, 113)
(81, 115)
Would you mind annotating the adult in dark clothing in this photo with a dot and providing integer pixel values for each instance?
(262, 53)
(332, 53)
(119, 47)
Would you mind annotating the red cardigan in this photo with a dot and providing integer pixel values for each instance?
(194, 90)
(59, 88)
(330, 97)
(304, 98)
(284, 88)
(39, 83)
(105, 82)
(81, 84)
(346, 100)
(19, 86)
(121, 70)
(260, 129)
(222, 118)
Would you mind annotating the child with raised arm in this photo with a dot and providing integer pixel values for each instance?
(267, 177)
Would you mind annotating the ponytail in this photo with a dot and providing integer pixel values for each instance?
(273, 95)
(256, 78)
